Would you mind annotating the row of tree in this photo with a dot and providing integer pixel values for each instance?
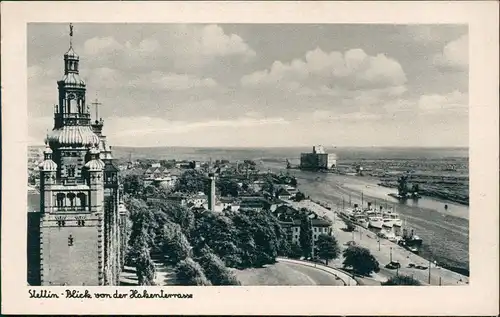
(212, 241)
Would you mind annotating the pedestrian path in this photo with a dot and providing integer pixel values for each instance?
(164, 274)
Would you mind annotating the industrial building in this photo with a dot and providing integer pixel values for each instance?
(319, 159)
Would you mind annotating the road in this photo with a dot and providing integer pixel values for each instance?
(286, 274)
(388, 251)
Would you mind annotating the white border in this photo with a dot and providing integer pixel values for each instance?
(480, 297)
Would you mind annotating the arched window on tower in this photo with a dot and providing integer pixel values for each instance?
(71, 197)
(83, 200)
(60, 199)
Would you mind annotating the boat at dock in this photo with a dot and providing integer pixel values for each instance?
(375, 221)
(411, 241)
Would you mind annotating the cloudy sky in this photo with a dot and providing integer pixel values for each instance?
(260, 84)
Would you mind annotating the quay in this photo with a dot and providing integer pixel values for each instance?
(384, 251)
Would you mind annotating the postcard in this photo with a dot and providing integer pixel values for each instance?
(250, 158)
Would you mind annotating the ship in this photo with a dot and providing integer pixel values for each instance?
(411, 241)
(404, 192)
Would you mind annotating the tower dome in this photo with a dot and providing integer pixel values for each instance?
(48, 165)
(72, 79)
(71, 54)
(95, 163)
(74, 135)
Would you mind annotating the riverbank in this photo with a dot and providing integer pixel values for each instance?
(443, 194)
(445, 231)
(385, 251)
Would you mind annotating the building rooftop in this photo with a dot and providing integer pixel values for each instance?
(318, 222)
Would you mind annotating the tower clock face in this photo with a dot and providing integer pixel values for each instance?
(71, 96)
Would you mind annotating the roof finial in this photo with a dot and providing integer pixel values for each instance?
(71, 35)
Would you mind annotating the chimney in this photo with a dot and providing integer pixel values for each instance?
(211, 195)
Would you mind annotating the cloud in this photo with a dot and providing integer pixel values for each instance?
(327, 115)
(172, 81)
(38, 128)
(121, 126)
(101, 45)
(184, 46)
(351, 70)
(436, 103)
(455, 54)
(215, 42)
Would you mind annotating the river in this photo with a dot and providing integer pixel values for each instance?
(445, 232)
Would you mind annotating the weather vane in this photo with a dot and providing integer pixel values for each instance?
(71, 34)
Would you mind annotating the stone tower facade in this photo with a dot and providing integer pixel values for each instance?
(79, 220)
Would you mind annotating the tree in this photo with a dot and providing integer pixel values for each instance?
(139, 256)
(145, 268)
(327, 247)
(175, 246)
(227, 187)
(415, 188)
(218, 232)
(214, 268)
(360, 260)
(176, 213)
(192, 181)
(143, 221)
(189, 272)
(305, 237)
(133, 184)
(300, 196)
(151, 191)
(402, 280)
(350, 227)
(403, 186)
(295, 251)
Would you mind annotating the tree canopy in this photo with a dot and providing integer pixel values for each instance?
(188, 272)
(133, 184)
(327, 247)
(214, 268)
(227, 187)
(360, 260)
(175, 246)
(305, 237)
(192, 181)
(401, 280)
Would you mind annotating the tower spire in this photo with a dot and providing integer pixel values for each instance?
(71, 35)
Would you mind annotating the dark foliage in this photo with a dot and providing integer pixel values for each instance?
(190, 273)
(327, 247)
(402, 280)
(214, 268)
(360, 260)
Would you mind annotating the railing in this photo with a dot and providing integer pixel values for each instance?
(70, 182)
(72, 208)
(72, 115)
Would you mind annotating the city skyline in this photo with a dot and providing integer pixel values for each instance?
(260, 85)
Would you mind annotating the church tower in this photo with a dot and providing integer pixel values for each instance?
(79, 238)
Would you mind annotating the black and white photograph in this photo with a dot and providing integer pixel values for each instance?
(270, 154)
(212, 156)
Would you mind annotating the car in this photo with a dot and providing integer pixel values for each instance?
(393, 265)
(350, 243)
(421, 267)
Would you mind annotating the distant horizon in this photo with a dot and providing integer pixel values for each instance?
(281, 147)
